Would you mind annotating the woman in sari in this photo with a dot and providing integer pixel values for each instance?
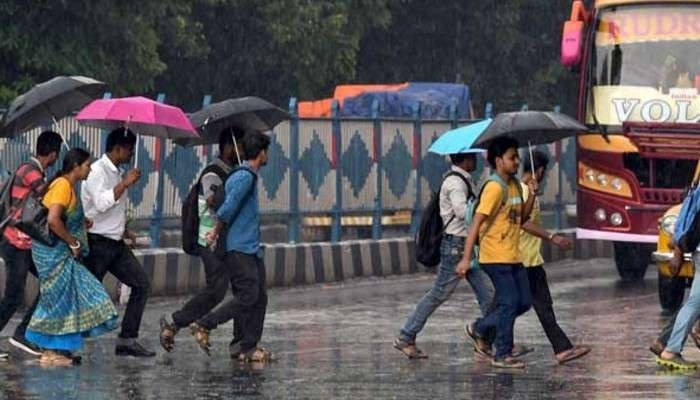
(73, 304)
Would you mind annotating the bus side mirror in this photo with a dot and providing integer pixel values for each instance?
(572, 43)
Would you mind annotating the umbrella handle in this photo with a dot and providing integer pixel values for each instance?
(58, 130)
(532, 161)
(136, 150)
(235, 146)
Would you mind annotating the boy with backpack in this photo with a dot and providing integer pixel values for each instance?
(686, 239)
(198, 219)
(455, 191)
(497, 221)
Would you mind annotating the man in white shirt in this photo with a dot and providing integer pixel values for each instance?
(455, 189)
(104, 197)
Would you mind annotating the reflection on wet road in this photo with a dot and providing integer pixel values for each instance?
(335, 342)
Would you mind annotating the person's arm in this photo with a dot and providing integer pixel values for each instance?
(131, 177)
(465, 263)
(210, 182)
(536, 230)
(458, 199)
(104, 197)
(532, 187)
(57, 200)
(237, 188)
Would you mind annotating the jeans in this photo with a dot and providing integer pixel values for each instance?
(249, 305)
(218, 281)
(115, 257)
(542, 303)
(688, 314)
(451, 250)
(17, 263)
(512, 300)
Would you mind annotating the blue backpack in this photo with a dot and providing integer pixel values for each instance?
(686, 234)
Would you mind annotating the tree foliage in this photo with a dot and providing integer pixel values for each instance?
(506, 51)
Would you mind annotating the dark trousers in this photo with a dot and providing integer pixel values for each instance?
(115, 257)
(247, 273)
(218, 280)
(512, 300)
(17, 263)
(542, 303)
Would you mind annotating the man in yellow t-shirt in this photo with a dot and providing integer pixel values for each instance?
(496, 226)
(531, 237)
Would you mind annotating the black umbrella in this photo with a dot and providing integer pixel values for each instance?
(245, 113)
(48, 102)
(530, 128)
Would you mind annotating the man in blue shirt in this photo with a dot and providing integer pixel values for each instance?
(244, 257)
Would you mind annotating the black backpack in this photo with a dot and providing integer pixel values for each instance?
(190, 209)
(429, 235)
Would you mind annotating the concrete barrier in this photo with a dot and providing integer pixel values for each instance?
(172, 272)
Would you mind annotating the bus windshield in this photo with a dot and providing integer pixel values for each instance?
(646, 64)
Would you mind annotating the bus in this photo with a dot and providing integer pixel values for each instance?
(639, 74)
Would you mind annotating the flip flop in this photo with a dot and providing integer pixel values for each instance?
(520, 350)
(409, 349)
(572, 354)
(479, 347)
(677, 362)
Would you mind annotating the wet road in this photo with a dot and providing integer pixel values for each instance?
(335, 342)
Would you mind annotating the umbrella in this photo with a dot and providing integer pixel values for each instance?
(531, 128)
(460, 140)
(145, 116)
(48, 102)
(245, 113)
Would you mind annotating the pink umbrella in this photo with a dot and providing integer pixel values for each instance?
(142, 115)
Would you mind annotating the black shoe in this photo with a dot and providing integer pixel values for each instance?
(25, 345)
(134, 349)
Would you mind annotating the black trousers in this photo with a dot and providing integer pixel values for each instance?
(247, 274)
(542, 303)
(218, 281)
(18, 263)
(115, 257)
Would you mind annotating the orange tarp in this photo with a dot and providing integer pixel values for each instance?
(322, 108)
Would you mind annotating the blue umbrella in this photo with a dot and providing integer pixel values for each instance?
(460, 140)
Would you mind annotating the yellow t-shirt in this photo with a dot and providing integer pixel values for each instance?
(530, 245)
(61, 192)
(500, 233)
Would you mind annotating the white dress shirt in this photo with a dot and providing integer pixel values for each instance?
(97, 193)
(453, 202)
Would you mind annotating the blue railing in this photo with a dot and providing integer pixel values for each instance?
(332, 167)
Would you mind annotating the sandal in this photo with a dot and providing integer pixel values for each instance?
(657, 348)
(520, 350)
(677, 362)
(481, 346)
(201, 335)
(572, 354)
(235, 349)
(53, 358)
(508, 363)
(256, 355)
(409, 349)
(167, 334)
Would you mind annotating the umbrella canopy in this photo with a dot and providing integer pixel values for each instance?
(460, 140)
(142, 115)
(48, 102)
(245, 113)
(531, 127)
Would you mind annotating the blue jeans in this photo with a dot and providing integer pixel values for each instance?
(451, 251)
(513, 298)
(688, 314)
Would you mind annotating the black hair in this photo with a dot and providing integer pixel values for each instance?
(539, 158)
(120, 137)
(498, 147)
(459, 158)
(253, 143)
(226, 137)
(47, 143)
(75, 157)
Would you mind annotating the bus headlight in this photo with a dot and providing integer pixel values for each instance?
(590, 175)
(602, 180)
(668, 224)
(616, 184)
(616, 219)
(600, 215)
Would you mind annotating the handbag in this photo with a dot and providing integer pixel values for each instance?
(33, 221)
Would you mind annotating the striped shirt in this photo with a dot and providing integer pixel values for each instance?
(29, 177)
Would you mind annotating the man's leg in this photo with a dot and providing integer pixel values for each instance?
(502, 316)
(687, 315)
(255, 320)
(483, 288)
(22, 327)
(247, 287)
(445, 283)
(542, 303)
(210, 296)
(127, 269)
